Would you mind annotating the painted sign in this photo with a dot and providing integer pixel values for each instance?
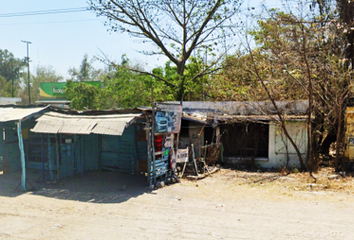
(169, 141)
(168, 118)
(182, 155)
(55, 90)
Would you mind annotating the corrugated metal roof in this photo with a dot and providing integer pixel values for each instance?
(110, 127)
(297, 107)
(222, 119)
(14, 114)
(113, 124)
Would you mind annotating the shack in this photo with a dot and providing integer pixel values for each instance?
(245, 132)
(74, 143)
(126, 141)
(15, 122)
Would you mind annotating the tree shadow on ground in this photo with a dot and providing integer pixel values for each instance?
(95, 187)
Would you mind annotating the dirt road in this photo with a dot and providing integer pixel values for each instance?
(217, 207)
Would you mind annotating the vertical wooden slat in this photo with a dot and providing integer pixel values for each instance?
(57, 147)
(42, 158)
(4, 150)
(50, 166)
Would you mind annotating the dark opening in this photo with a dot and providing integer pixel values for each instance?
(245, 140)
(209, 134)
(184, 128)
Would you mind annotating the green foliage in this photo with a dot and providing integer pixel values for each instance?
(42, 74)
(124, 88)
(177, 29)
(86, 72)
(10, 71)
(196, 84)
(82, 96)
(5, 87)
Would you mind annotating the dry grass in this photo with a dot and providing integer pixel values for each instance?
(228, 183)
(325, 179)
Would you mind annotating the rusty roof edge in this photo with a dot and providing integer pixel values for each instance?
(296, 107)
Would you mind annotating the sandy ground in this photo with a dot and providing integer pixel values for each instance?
(228, 205)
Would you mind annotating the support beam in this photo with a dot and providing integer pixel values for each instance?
(22, 152)
(58, 161)
(50, 160)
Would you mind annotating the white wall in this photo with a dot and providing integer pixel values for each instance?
(278, 144)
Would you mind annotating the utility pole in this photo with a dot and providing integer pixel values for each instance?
(28, 71)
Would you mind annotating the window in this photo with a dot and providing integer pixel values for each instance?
(245, 140)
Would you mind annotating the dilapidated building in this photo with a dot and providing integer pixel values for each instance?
(246, 131)
(60, 143)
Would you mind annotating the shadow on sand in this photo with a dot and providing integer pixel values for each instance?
(95, 187)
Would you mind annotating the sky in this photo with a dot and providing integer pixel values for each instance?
(61, 40)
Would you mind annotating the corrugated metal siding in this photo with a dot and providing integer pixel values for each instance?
(110, 127)
(47, 127)
(77, 126)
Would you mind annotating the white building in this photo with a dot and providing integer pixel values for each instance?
(249, 132)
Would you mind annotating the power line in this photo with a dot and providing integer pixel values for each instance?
(42, 12)
(38, 23)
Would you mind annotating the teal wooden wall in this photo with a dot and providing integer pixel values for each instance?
(78, 153)
(1, 148)
(10, 153)
(89, 152)
(120, 152)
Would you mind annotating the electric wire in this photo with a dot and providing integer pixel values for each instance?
(42, 12)
(53, 22)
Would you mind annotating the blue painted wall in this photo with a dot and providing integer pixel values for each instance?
(89, 152)
(120, 152)
(10, 150)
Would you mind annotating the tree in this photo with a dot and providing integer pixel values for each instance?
(296, 57)
(10, 70)
(86, 72)
(124, 88)
(82, 96)
(197, 86)
(346, 23)
(5, 87)
(177, 28)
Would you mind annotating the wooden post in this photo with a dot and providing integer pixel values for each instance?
(136, 160)
(42, 157)
(57, 143)
(194, 161)
(153, 133)
(4, 150)
(22, 152)
(149, 150)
